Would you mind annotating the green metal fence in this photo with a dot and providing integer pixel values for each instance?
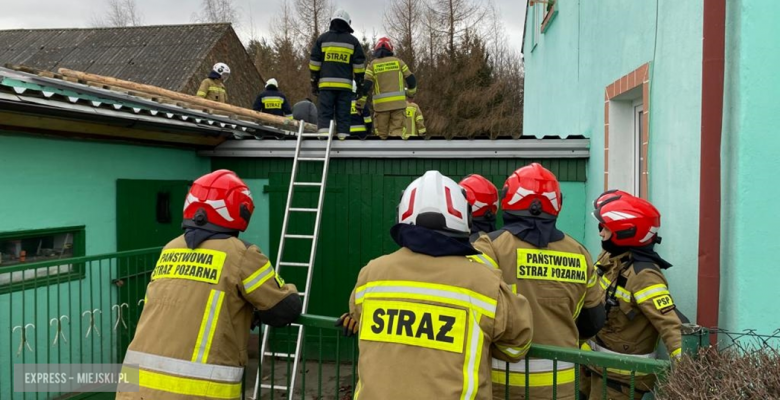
(77, 310)
(85, 310)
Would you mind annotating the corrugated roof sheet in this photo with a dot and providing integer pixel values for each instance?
(164, 56)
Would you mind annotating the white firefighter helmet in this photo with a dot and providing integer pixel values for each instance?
(436, 202)
(223, 70)
(272, 82)
(342, 15)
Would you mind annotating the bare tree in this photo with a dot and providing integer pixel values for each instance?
(217, 11)
(456, 18)
(402, 22)
(314, 16)
(119, 13)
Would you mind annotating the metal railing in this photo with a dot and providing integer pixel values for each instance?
(86, 309)
(76, 310)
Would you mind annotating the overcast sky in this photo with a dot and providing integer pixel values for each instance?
(366, 14)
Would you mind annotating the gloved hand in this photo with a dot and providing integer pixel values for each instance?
(255, 320)
(361, 102)
(349, 323)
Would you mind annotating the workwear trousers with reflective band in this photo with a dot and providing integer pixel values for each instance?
(540, 381)
(597, 390)
(390, 123)
(336, 103)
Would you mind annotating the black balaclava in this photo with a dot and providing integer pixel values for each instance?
(382, 53)
(642, 254)
(483, 224)
(535, 230)
(430, 242)
(340, 26)
(214, 75)
(195, 236)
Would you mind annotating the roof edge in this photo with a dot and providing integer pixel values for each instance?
(225, 24)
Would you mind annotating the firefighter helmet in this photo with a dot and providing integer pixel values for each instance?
(271, 82)
(634, 222)
(608, 195)
(532, 191)
(385, 43)
(436, 202)
(223, 70)
(343, 16)
(482, 195)
(220, 202)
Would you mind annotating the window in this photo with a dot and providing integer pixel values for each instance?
(637, 172)
(549, 13)
(538, 16)
(625, 141)
(26, 247)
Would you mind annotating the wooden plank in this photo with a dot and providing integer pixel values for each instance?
(156, 91)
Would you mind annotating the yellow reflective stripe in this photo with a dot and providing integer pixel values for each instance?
(338, 49)
(367, 120)
(514, 351)
(422, 131)
(201, 93)
(258, 278)
(335, 85)
(579, 306)
(313, 67)
(483, 259)
(514, 288)
(208, 326)
(675, 353)
(623, 372)
(216, 89)
(650, 292)
(404, 68)
(473, 357)
(428, 291)
(358, 389)
(620, 292)
(188, 386)
(389, 99)
(535, 379)
(593, 278)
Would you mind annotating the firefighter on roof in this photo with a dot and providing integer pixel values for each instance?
(414, 123)
(553, 271)
(273, 101)
(430, 315)
(213, 87)
(192, 337)
(337, 59)
(640, 308)
(387, 76)
(360, 118)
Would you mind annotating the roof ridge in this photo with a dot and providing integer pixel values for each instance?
(220, 24)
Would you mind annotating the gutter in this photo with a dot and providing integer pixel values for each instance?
(713, 64)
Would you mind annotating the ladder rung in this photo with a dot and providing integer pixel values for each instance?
(299, 236)
(280, 355)
(301, 294)
(307, 183)
(310, 159)
(314, 134)
(274, 387)
(293, 264)
(304, 210)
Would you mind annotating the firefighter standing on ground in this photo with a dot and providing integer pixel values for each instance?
(553, 271)
(483, 197)
(639, 305)
(387, 76)
(337, 59)
(414, 122)
(429, 315)
(273, 101)
(192, 336)
(213, 87)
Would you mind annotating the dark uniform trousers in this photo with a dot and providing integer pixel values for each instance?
(338, 103)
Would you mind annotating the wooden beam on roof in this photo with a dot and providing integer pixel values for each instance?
(268, 119)
(78, 128)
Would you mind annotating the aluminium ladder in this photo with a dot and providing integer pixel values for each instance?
(325, 159)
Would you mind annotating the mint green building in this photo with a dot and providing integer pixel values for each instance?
(628, 75)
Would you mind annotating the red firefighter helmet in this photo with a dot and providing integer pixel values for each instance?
(219, 201)
(384, 42)
(634, 222)
(482, 195)
(532, 191)
(608, 195)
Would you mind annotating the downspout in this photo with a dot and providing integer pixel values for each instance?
(713, 64)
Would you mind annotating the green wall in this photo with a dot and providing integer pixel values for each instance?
(49, 183)
(749, 272)
(589, 46)
(360, 208)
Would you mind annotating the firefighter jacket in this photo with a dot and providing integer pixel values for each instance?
(192, 336)
(336, 59)
(559, 281)
(213, 89)
(415, 125)
(644, 311)
(428, 325)
(388, 77)
(273, 102)
(360, 120)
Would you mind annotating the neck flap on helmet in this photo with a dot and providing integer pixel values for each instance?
(537, 231)
(429, 242)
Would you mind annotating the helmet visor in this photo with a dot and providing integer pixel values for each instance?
(225, 76)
